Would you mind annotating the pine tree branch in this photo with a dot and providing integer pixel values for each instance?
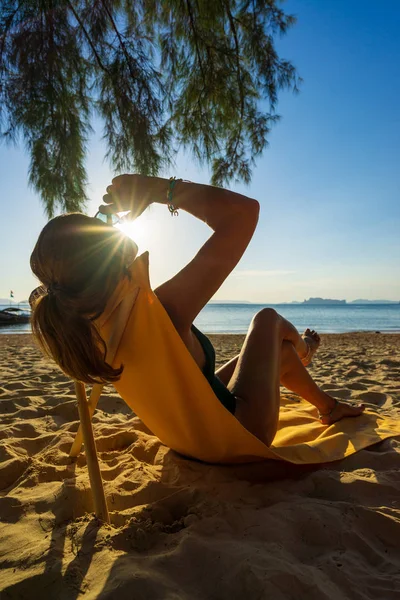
(238, 72)
(6, 30)
(120, 40)
(220, 60)
(87, 36)
(189, 7)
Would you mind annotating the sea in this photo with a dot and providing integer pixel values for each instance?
(333, 318)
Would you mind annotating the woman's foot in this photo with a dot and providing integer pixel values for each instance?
(313, 342)
(339, 411)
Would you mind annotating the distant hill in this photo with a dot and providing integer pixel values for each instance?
(323, 301)
(363, 301)
(331, 301)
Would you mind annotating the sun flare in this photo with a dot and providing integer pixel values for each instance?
(138, 230)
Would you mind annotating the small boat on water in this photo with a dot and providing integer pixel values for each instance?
(13, 315)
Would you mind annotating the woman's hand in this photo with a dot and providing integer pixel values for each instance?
(134, 193)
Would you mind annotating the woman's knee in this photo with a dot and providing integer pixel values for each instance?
(266, 317)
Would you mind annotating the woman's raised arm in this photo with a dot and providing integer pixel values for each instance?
(233, 218)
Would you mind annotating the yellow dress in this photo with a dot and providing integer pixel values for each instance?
(167, 390)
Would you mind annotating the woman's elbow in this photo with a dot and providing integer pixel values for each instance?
(256, 208)
(253, 211)
(250, 209)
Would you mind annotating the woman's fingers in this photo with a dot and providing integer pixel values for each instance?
(117, 201)
(108, 209)
(129, 192)
(113, 195)
(121, 192)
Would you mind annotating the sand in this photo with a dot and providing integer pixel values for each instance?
(182, 529)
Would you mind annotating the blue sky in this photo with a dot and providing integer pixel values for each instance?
(329, 184)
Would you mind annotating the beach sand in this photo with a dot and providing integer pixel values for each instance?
(183, 530)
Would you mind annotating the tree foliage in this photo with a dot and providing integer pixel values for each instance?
(160, 74)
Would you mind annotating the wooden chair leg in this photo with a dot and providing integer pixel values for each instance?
(94, 398)
(124, 311)
(96, 483)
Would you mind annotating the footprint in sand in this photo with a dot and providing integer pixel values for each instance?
(342, 393)
(108, 439)
(29, 391)
(359, 364)
(393, 389)
(11, 509)
(23, 430)
(45, 378)
(33, 446)
(324, 373)
(327, 386)
(11, 406)
(356, 385)
(372, 397)
(353, 373)
(336, 392)
(15, 385)
(369, 381)
(11, 470)
(166, 509)
(64, 412)
(390, 363)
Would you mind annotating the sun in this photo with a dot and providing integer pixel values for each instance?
(139, 230)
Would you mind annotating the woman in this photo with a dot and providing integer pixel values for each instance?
(81, 260)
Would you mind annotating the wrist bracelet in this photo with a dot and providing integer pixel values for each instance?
(171, 184)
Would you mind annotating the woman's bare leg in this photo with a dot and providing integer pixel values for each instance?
(256, 378)
(293, 375)
(289, 333)
(296, 378)
(268, 357)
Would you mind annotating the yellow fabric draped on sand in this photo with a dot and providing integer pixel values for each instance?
(166, 389)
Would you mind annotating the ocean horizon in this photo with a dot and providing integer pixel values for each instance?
(231, 318)
(325, 318)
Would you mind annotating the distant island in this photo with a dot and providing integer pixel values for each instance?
(323, 301)
(362, 301)
(311, 301)
(318, 301)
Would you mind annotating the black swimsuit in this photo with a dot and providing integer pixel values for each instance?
(220, 390)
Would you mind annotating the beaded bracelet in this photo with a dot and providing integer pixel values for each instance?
(171, 184)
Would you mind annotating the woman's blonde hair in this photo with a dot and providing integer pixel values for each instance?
(79, 261)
